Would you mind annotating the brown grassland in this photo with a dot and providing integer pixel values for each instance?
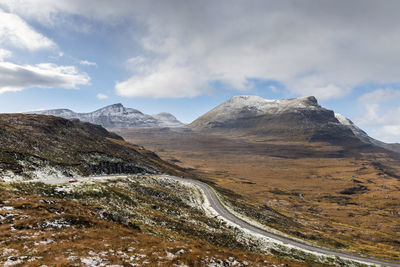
(28, 238)
(315, 191)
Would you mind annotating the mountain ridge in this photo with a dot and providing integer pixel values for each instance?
(291, 119)
(116, 116)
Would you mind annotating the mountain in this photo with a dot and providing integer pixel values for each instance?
(116, 116)
(38, 146)
(289, 119)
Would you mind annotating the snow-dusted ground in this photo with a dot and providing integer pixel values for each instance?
(199, 199)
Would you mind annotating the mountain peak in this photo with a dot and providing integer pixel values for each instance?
(311, 100)
(117, 105)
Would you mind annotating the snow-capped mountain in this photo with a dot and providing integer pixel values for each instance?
(117, 116)
(291, 119)
(247, 106)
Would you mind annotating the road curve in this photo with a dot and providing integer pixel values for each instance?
(223, 212)
(226, 214)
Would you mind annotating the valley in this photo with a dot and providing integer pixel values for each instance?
(326, 194)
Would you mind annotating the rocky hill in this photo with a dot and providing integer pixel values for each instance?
(40, 147)
(289, 119)
(117, 116)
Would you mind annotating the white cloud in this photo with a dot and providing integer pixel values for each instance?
(381, 113)
(387, 133)
(165, 82)
(380, 96)
(101, 96)
(315, 85)
(15, 77)
(4, 54)
(15, 32)
(88, 63)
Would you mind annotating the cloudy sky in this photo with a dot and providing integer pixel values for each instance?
(185, 57)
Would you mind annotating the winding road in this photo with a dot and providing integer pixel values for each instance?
(223, 212)
(216, 204)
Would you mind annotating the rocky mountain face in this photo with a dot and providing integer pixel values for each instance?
(289, 119)
(40, 147)
(117, 116)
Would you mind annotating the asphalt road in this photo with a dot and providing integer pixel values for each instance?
(223, 212)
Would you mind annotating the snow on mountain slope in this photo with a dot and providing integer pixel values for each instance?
(168, 119)
(117, 116)
(239, 108)
(354, 128)
(292, 119)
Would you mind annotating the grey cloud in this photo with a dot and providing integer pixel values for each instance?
(18, 77)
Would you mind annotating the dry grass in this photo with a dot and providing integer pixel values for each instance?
(26, 238)
(338, 198)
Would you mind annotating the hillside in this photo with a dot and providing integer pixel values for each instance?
(38, 146)
(336, 186)
(116, 115)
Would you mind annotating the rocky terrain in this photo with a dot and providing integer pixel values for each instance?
(39, 146)
(117, 115)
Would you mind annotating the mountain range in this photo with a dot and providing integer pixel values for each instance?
(290, 119)
(116, 116)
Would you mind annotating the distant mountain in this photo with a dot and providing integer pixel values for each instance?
(290, 119)
(42, 147)
(116, 116)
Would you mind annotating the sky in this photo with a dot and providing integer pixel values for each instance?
(186, 57)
